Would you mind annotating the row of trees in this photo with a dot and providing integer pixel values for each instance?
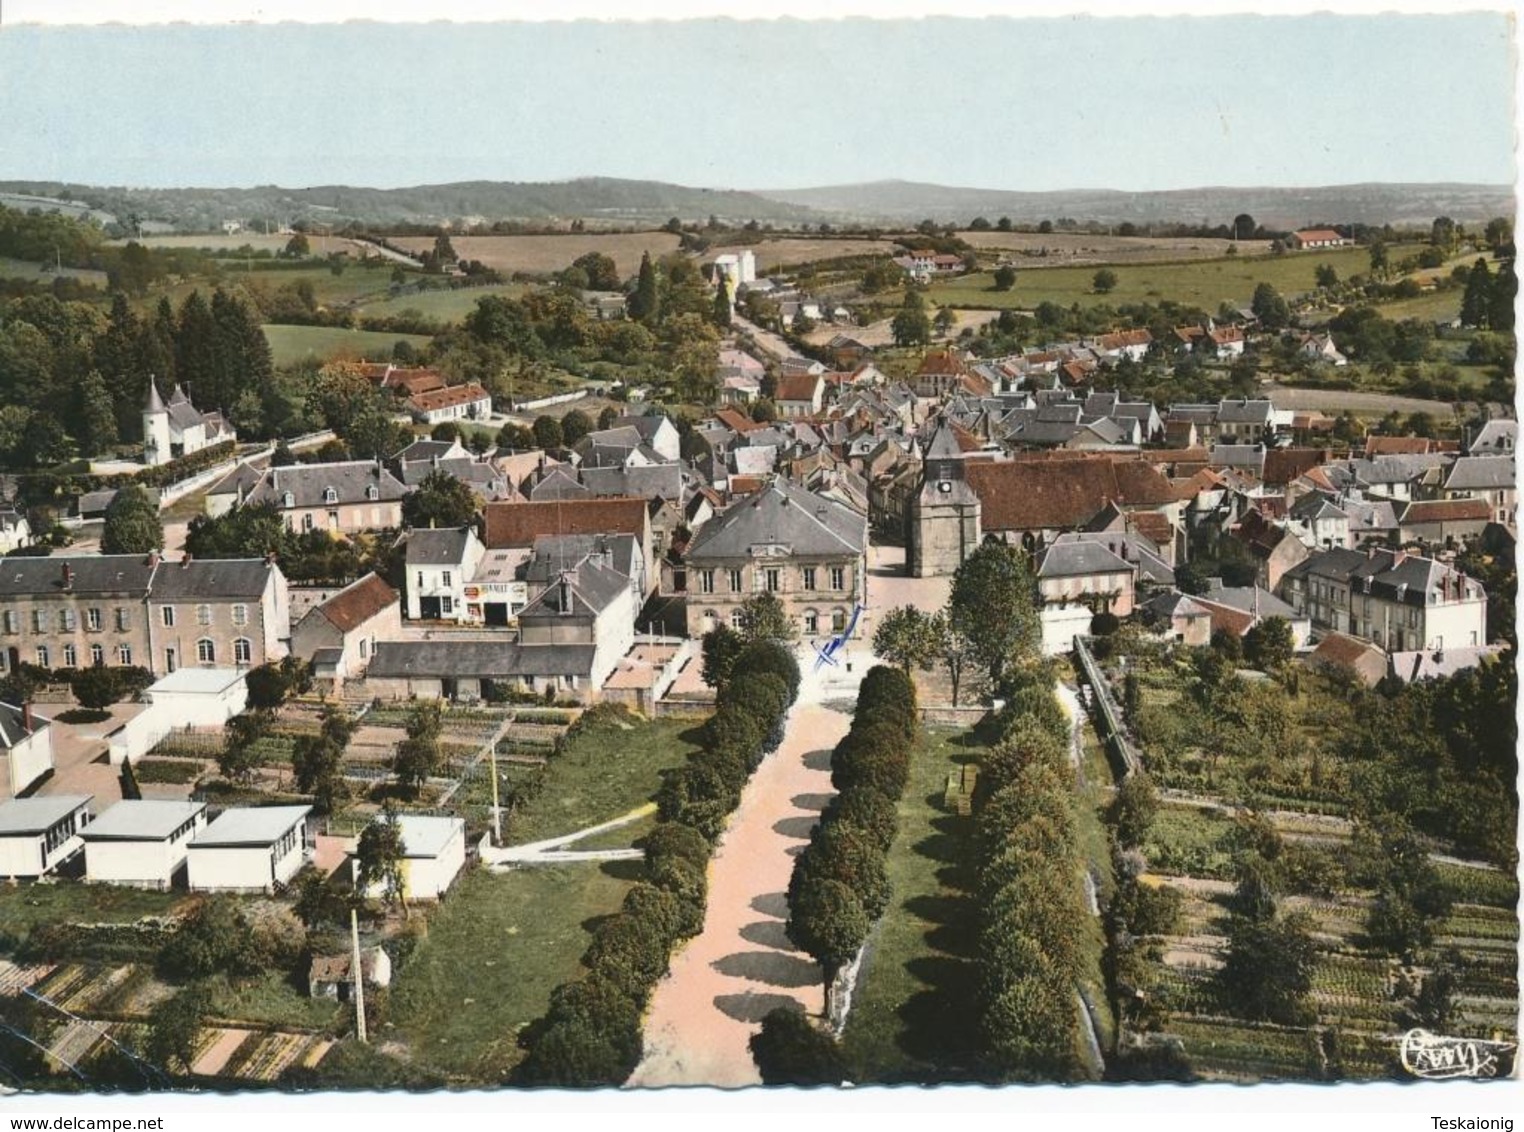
(840, 883)
(591, 1034)
(1034, 928)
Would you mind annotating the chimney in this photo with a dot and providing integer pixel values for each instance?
(566, 593)
(26, 716)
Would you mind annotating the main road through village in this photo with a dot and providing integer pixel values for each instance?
(741, 965)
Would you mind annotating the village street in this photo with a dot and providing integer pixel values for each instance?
(742, 965)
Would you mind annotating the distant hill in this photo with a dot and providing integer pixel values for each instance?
(610, 201)
(601, 201)
(910, 202)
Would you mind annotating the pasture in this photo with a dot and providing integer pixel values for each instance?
(1075, 248)
(292, 344)
(446, 305)
(46, 272)
(543, 255)
(788, 252)
(1205, 284)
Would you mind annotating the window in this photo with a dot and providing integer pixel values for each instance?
(93, 620)
(809, 577)
(372, 492)
(288, 500)
(333, 520)
(811, 622)
(97, 654)
(733, 576)
(364, 648)
(67, 621)
(39, 621)
(124, 654)
(774, 579)
(838, 578)
(206, 651)
(12, 621)
(445, 577)
(307, 523)
(71, 657)
(838, 620)
(706, 581)
(171, 659)
(240, 614)
(446, 605)
(42, 656)
(167, 615)
(735, 623)
(123, 619)
(330, 495)
(243, 651)
(203, 615)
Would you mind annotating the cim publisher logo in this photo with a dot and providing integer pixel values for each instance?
(1439, 1058)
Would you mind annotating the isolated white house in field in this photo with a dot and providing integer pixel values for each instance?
(434, 851)
(38, 834)
(249, 849)
(26, 749)
(141, 843)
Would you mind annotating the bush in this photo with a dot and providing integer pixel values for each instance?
(868, 810)
(790, 1050)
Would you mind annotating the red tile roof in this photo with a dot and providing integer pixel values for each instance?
(736, 421)
(1312, 235)
(941, 362)
(1447, 511)
(798, 387)
(356, 604)
(1396, 446)
(519, 524)
(448, 397)
(1282, 465)
(1035, 495)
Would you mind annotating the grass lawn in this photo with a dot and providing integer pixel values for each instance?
(603, 773)
(1204, 284)
(494, 951)
(1436, 306)
(271, 998)
(290, 344)
(445, 305)
(912, 1012)
(25, 906)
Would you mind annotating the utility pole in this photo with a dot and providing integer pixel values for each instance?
(497, 812)
(359, 975)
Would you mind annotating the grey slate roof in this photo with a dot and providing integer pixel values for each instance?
(1140, 551)
(1244, 411)
(89, 573)
(1481, 473)
(555, 553)
(1072, 559)
(480, 659)
(22, 816)
(146, 820)
(249, 826)
(1242, 598)
(437, 547)
(585, 591)
(1494, 438)
(1409, 580)
(212, 578)
(308, 482)
(11, 729)
(651, 481)
(782, 513)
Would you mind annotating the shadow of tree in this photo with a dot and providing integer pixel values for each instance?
(770, 967)
(816, 802)
(767, 933)
(631, 869)
(818, 760)
(751, 1006)
(798, 828)
(774, 904)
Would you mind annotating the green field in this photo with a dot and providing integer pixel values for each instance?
(445, 305)
(494, 952)
(291, 344)
(1205, 284)
(46, 273)
(23, 907)
(603, 773)
(915, 999)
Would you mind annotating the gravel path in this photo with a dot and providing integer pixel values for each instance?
(741, 965)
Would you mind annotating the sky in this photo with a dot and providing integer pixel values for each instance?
(1021, 104)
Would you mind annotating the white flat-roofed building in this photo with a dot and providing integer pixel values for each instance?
(141, 843)
(26, 748)
(39, 834)
(249, 849)
(434, 851)
(200, 697)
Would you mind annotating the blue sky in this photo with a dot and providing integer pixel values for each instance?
(1026, 104)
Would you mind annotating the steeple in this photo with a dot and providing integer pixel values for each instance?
(155, 402)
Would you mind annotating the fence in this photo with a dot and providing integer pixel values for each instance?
(546, 402)
(953, 716)
(1110, 725)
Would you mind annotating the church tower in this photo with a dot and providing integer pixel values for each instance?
(156, 442)
(942, 524)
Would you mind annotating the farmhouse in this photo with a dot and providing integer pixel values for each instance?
(141, 843)
(1317, 238)
(26, 744)
(249, 849)
(453, 403)
(39, 834)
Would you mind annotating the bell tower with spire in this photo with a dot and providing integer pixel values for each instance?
(942, 523)
(156, 442)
